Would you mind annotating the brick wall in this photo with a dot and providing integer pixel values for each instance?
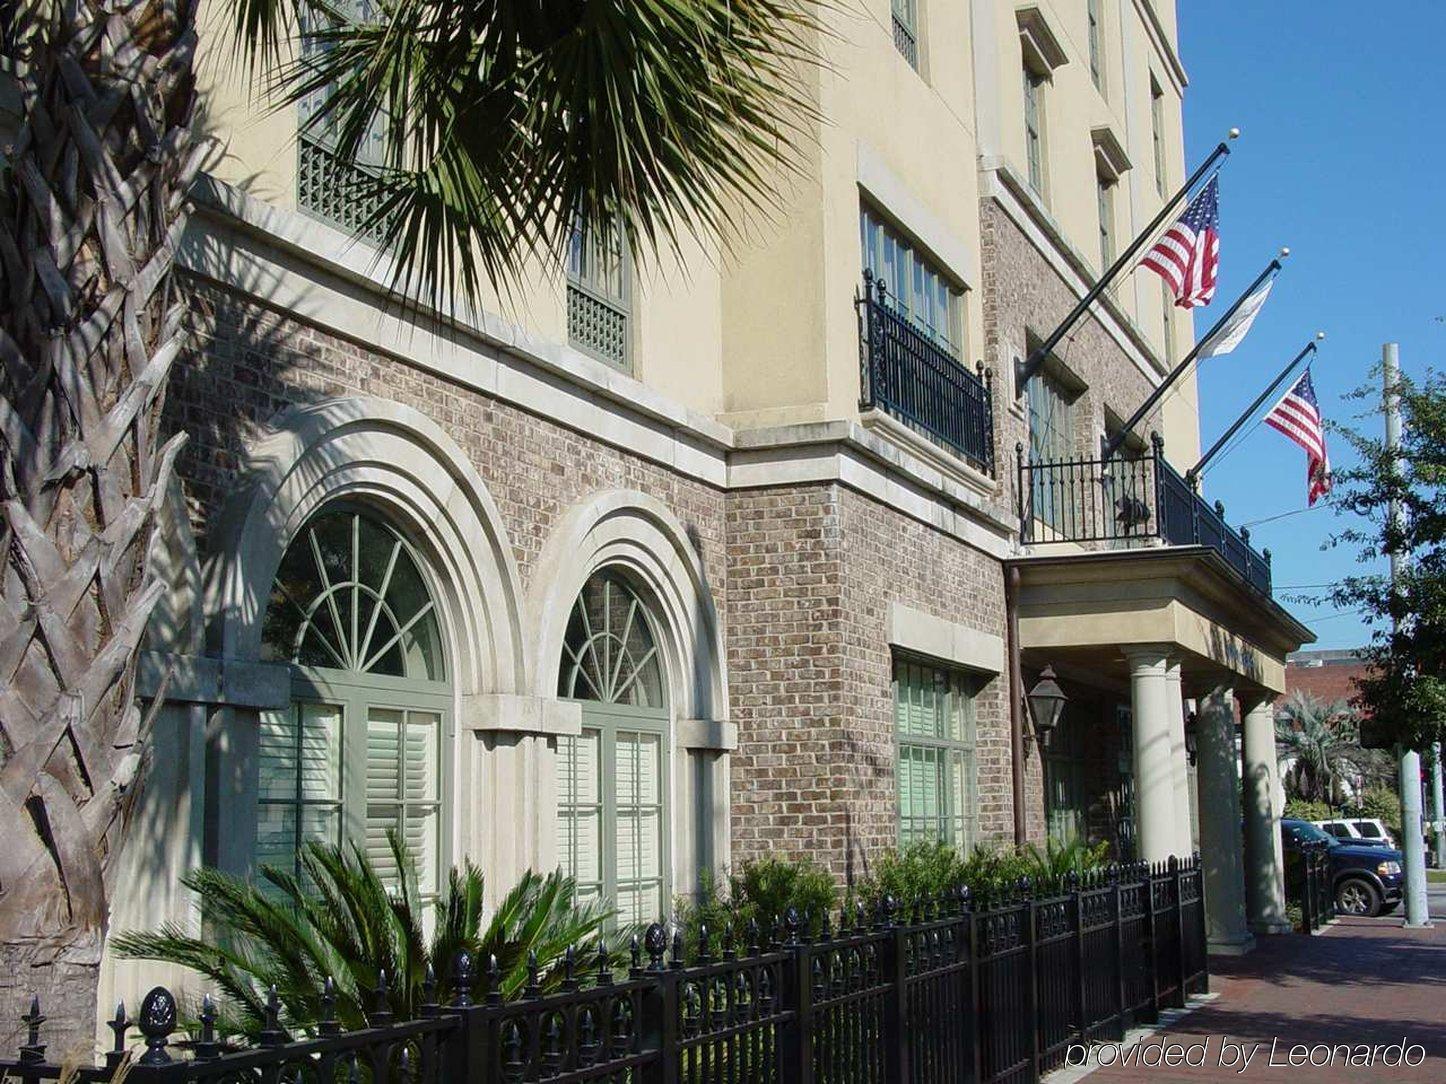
(803, 576)
(1024, 296)
(813, 572)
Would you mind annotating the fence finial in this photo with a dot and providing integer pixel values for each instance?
(604, 964)
(655, 941)
(271, 1033)
(33, 1052)
(118, 1025)
(157, 1021)
(494, 980)
(207, 1048)
(464, 974)
(534, 978)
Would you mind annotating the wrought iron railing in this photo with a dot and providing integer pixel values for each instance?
(907, 374)
(339, 190)
(950, 991)
(1129, 500)
(1308, 885)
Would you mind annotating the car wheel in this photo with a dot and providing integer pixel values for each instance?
(1357, 897)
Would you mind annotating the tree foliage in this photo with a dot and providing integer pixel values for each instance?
(1317, 743)
(502, 125)
(1405, 690)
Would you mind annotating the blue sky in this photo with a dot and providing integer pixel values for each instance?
(1341, 157)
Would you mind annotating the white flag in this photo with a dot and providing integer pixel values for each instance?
(1236, 328)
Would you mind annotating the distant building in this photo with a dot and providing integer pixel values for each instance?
(1329, 675)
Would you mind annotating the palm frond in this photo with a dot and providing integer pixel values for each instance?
(505, 125)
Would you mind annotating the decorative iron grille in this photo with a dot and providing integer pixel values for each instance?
(338, 190)
(597, 326)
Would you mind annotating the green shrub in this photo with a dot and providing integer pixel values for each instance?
(1303, 810)
(932, 870)
(762, 891)
(921, 871)
(1058, 859)
(1385, 805)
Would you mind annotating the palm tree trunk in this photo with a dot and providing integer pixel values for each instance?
(92, 203)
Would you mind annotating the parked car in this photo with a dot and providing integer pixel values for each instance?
(1367, 877)
(1367, 830)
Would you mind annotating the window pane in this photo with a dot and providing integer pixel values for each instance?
(422, 763)
(933, 713)
(276, 837)
(320, 751)
(580, 814)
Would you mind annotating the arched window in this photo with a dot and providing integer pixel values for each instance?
(612, 832)
(359, 751)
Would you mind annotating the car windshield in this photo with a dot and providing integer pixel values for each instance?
(1309, 833)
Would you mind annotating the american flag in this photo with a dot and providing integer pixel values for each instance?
(1187, 257)
(1298, 417)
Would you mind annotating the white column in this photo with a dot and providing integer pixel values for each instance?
(1179, 770)
(1221, 843)
(1155, 829)
(1265, 862)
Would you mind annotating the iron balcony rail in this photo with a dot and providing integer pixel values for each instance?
(1129, 501)
(947, 991)
(907, 374)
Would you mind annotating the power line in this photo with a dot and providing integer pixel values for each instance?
(1285, 515)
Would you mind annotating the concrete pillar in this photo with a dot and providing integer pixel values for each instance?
(1179, 769)
(1155, 830)
(1265, 863)
(1221, 843)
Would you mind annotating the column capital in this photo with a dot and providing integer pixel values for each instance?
(1147, 654)
(1255, 701)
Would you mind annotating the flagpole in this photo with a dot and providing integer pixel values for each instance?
(1111, 446)
(1194, 472)
(1023, 370)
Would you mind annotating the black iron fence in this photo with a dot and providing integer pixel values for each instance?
(1308, 885)
(1129, 500)
(945, 992)
(911, 376)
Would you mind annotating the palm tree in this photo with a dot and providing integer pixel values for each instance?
(1316, 741)
(505, 125)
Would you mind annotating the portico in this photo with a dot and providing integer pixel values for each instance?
(1179, 635)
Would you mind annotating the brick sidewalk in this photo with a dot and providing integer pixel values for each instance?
(1363, 981)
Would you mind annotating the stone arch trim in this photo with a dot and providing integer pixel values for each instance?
(405, 465)
(631, 530)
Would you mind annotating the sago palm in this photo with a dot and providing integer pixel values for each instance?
(505, 124)
(341, 921)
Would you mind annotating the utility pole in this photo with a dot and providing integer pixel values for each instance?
(1438, 802)
(1409, 765)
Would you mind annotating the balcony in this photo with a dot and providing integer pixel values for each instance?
(1129, 502)
(907, 374)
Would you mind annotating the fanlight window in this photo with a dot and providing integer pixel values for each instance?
(612, 817)
(609, 653)
(349, 596)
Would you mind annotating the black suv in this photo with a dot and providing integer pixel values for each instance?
(1367, 878)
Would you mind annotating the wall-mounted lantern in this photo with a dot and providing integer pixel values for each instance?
(1046, 706)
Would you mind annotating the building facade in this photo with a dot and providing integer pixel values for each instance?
(659, 566)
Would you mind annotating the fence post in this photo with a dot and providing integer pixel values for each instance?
(971, 930)
(1031, 934)
(796, 1041)
(1119, 913)
(1176, 878)
(658, 1011)
(1151, 956)
(1082, 997)
(896, 1028)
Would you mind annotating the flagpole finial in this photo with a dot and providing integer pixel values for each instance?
(1284, 251)
(1319, 335)
(1235, 133)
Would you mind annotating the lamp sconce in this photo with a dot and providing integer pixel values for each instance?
(1191, 739)
(1046, 703)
